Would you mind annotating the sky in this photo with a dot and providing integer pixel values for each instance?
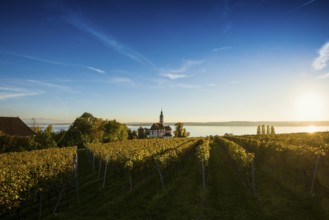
(198, 61)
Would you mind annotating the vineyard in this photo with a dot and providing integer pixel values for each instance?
(232, 177)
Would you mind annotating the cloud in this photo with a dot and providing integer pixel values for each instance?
(321, 61)
(324, 76)
(5, 88)
(39, 59)
(222, 48)
(49, 85)
(180, 72)
(4, 96)
(174, 76)
(309, 2)
(211, 84)
(96, 70)
(303, 5)
(56, 62)
(227, 28)
(108, 40)
(15, 92)
(186, 86)
(122, 81)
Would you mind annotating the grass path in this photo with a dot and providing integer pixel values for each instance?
(227, 197)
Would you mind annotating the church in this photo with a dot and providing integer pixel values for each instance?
(158, 130)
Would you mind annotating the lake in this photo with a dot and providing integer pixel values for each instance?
(197, 131)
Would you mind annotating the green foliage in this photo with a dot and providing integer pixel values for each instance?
(258, 130)
(265, 129)
(141, 133)
(44, 139)
(203, 150)
(132, 134)
(114, 131)
(180, 130)
(89, 129)
(24, 174)
(15, 144)
(41, 140)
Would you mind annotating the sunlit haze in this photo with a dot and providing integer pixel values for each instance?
(200, 61)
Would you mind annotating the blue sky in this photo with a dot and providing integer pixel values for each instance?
(225, 60)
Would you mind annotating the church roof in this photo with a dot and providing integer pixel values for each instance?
(15, 126)
(168, 127)
(157, 126)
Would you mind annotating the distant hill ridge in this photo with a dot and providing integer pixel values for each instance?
(244, 123)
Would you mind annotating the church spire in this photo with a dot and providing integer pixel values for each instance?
(161, 117)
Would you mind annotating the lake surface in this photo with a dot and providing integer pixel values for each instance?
(202, 131)
(197, 131)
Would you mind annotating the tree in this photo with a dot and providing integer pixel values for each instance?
(268, 131)
(258, 130)
(141, 133)
(82, 131)
(132, 134)
(89, 129)
(272, 130)
(180, 130)
(114, 131)
(44, 139)
(263, 129)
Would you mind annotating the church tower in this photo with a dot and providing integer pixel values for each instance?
(161, 118)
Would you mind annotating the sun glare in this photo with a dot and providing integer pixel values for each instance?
(310, 107)
(311, 129)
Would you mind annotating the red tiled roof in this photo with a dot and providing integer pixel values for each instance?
(15, 126)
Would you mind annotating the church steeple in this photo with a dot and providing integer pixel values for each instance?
(161, 117)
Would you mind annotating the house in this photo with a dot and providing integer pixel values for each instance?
(159, 130)
(15, 126)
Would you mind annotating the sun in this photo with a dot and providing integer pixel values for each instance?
(311, 129)
(310, 107)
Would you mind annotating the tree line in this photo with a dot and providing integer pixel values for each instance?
(85, 129)
(265, 130)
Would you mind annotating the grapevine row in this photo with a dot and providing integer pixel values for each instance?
(23, 174)
(131, 154)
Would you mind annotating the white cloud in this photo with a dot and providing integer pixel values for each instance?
(15, 89)
(96, 69)
(321, 61)
(174, 76)
(227, 28)
(221, 48)
(122, 81)
(186, 86)
(56, 62)
(309, 2)
(211, 84)
(324, 76)
(108, 40)
(4, 96)
(49, 85)
(180, 72)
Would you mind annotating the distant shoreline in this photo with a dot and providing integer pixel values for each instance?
(244, 123)
(229, 123)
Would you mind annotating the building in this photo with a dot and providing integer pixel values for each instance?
(15, 126)
(159, 130)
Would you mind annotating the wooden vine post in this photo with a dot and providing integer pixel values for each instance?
(317, 161)
(99, 168)
(253, 178)
(105, 172)
(203, 173)
(76, 169)
(160, 174)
